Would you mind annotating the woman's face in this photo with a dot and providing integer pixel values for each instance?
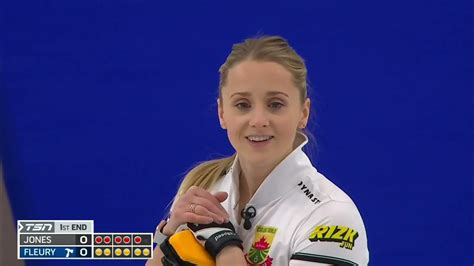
(261, 110)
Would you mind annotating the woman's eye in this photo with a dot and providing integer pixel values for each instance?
(242, 105)
(275, 105)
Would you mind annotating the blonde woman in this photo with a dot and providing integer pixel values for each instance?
(267, 201)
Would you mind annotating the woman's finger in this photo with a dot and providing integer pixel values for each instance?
(211, 198)
(211, 207)
(221, 196)
(199, 206)
(203, 211)
(190, 217)
(202, 206)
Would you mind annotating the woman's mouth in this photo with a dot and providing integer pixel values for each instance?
(259, 138)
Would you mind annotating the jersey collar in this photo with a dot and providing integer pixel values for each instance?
(283, 178)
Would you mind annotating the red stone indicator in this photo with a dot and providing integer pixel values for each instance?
(98, 239)
(107, 240)
(137, 239)
(126, 239)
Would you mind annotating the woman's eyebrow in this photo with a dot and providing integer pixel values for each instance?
(270, 93)
(273, 93)
(244, 94)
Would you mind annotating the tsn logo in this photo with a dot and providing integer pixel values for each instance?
(38, 227)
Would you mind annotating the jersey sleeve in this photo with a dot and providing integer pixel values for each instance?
(334, 234)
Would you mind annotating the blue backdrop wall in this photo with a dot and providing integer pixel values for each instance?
(104, 105)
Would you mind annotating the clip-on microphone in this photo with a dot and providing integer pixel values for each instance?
(247, 214)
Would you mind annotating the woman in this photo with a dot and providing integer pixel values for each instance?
(282, 210)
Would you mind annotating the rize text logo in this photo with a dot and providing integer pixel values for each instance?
(341, 234)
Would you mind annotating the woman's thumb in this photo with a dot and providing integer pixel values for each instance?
(221, 196)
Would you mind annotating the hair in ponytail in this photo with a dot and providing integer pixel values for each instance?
(205, 174)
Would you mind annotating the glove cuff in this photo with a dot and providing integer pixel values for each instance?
(216, 236)
(220, 240)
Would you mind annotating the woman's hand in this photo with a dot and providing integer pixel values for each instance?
(198, 206)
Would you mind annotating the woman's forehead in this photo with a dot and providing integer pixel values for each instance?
(262, 78)
(251, 69)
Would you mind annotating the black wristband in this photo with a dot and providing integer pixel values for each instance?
(224, 236)
(220, 240)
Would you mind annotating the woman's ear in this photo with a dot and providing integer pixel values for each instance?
(305, 114)
(220, 113)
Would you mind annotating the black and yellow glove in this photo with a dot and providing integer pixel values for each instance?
(216, 236)
(183, 249)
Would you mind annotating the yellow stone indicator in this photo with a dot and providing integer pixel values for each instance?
(98, 252)
(137, 252)
(126, 252)
(146, 252)
(118, 252)
(107, 252)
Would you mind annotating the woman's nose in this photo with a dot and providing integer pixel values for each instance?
(259, 118)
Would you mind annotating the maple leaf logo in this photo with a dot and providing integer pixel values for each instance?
(261, 244)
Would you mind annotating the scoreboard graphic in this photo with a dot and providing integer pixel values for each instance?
(69, 239)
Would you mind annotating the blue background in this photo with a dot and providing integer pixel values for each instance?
(105, 104)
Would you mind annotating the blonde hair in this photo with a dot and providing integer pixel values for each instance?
(267, 49)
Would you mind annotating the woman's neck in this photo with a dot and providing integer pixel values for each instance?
(250, 179)
(252, 175)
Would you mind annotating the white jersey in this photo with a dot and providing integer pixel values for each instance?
(301, 218)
